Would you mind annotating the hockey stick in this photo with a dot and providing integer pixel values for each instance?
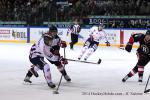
(148, 90)
(99, 61)
(56, 91)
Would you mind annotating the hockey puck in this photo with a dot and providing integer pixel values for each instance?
(99, 61)
(55, 92)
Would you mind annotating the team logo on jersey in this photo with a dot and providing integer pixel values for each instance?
(145, 49)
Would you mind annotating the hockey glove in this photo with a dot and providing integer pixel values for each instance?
(63, 60)
(131, 40)
(129, 44)
(63, 44)
(128, 47)
(107, 43)
(56, 52)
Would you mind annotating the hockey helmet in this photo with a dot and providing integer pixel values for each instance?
(53, 28)
(148, 32)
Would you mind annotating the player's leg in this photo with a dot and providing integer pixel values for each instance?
(33, 70)
(131, 73)
(143, 60)
(91, 50)
(47, 75)
(74, 40)
(42, 65)
(62, 70)
(85, 47)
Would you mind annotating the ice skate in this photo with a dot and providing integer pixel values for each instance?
(51, 85)
(140, 80)
(80, 56)
(85, 59)
(125, 78)
(67, 78)
(27, 79)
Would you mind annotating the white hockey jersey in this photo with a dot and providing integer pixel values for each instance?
(39, 49)
(97, 35)
(75, 29)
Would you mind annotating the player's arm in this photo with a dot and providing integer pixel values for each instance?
(56, 56)
(69, 30)
(79, 29)
(133, 38)
(61, 44)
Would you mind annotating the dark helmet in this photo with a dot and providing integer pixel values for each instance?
(53, 28)
(148, 32)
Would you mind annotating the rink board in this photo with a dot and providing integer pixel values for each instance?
(32, 34)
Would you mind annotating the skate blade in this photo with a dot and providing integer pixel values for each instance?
(26, 83)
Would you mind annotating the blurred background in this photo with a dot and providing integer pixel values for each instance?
(113, 13)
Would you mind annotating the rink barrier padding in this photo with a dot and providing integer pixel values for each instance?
(78, 44)
(13, 41)
(116, 37)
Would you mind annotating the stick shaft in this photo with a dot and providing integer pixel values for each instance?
(82, 61)
(147, 83)
(61, 75)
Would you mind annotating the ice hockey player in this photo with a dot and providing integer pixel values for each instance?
(74, 31)
(143, 53)
(47, 47)
(91, 44)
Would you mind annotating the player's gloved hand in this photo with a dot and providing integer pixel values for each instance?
(63, 44)
(129, 44)
(63, 60)
(128, 47)
(56, 52)
(131, 40)
(107, 43)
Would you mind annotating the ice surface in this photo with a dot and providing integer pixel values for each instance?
(90, 82)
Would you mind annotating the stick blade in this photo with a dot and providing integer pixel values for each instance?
(55, 92)
(148, 90)
(99, 61)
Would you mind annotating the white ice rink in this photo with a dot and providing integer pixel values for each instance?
(99, 80)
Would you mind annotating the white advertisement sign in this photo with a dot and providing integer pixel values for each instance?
(112, 35)
(13, 33)
(20, 34)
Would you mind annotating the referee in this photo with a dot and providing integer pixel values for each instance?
(74, 30)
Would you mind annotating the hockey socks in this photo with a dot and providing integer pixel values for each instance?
(139, 69)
